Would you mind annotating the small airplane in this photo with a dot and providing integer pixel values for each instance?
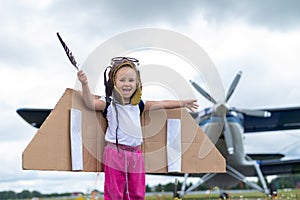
(225, 127)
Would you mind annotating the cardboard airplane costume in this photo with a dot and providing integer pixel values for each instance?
(72, 139)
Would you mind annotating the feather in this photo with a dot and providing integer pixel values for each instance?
(68, 52)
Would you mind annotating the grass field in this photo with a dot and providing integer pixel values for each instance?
(282, 194)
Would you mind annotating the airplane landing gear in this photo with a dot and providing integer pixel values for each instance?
(224, 195)
(176, 195)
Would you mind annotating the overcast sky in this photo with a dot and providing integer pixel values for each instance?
(260, 38)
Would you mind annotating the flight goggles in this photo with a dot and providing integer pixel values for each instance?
(119, 59)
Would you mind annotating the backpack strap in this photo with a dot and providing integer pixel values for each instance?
(141, 106)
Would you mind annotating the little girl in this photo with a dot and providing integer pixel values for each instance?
(122, 159)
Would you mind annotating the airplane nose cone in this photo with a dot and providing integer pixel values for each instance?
(221, 109)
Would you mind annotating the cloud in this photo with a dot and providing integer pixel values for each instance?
(30, 28)
(271, 14)
(276, 14)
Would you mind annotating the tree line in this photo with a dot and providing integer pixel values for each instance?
(26, 194)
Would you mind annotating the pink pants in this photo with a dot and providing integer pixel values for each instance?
(124, 173)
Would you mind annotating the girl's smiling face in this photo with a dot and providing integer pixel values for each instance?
(126, 82)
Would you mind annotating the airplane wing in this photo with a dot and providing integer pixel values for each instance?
(280, 119)
(34, 116)
(276, 167)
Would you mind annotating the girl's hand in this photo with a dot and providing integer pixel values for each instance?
(82, 77)
(190, 104)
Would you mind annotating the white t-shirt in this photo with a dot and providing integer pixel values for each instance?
(129, 129)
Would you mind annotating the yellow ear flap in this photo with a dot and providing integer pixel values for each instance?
(117, 96)
(136, 97)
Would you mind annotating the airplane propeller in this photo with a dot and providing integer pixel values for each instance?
(228, 136)
(221, 109)
(254, 113)
(203, 92)
(233, 85)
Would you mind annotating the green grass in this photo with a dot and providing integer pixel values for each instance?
(282, 194)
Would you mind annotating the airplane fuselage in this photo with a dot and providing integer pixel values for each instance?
(214, 128)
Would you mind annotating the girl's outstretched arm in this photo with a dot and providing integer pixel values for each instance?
(190, 104)
(89, 101)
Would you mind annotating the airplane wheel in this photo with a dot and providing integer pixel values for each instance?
(273, 190)
(177, 197)
(224, 195)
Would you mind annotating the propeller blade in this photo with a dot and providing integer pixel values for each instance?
(233, 85)
(253, 113)
(213, 130)
(228, 137)
(194, 114)
(203, 92)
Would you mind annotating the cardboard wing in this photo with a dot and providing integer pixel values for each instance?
(51, 148)
(197, 153)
